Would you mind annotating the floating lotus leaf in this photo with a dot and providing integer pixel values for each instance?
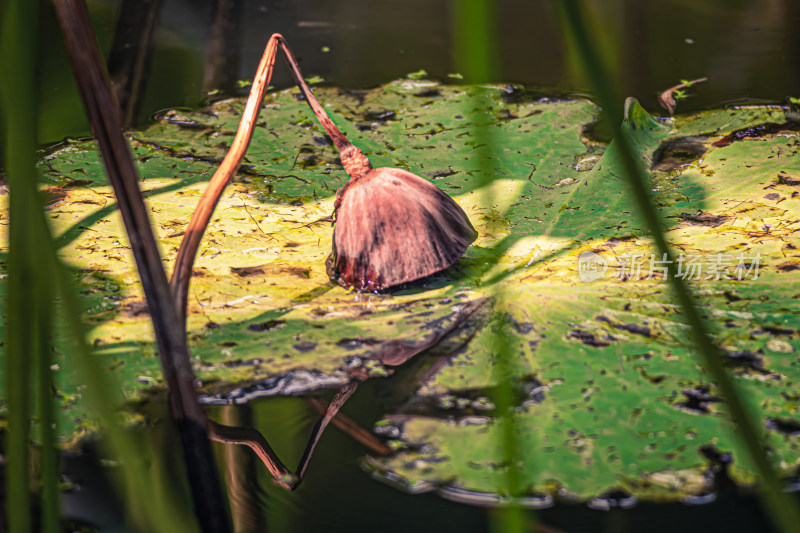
(608, 392)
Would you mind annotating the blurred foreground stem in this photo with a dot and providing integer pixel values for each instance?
(30, 291)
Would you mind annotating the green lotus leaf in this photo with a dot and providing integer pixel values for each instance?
(609, 394)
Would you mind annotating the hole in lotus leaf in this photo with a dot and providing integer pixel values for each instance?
(428, 93)
(493, 500)
(704, 219)
(358, 342)
(773, 196)
(785, 179)
(617, 499)
(754, 132)
(675, 154)
(590, 339)
(247, 271)
(697, 400)
(746, 360)
(717, 471)
(786, 426)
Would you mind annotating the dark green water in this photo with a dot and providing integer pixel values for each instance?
(338, 495)
(749, 49)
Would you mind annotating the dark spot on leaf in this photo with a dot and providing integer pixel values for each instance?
(441, 173)
(77, 183)
(522, 328)
(298, 271)
(704, 219)
(731, 297)
(772, 196)
(588, 338)
(630, 328)
(305, 346)
(358, 342)
(506, 114)
(247, 271)
(789, 266)
(379, 115)
(697, 400)
(745, 359)
(754, 132)
(774, 330)
(428, 93)
(269, 325)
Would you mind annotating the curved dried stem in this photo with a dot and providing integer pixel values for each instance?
(355, 162)
(182, 273)
(667, 98)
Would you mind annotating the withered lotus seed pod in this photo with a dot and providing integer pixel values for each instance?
(393, 227)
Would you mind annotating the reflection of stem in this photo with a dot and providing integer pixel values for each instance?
(239, 468)
(361, 435)
(338, 401)
(222, 55)
(254, 440)
(131, 51)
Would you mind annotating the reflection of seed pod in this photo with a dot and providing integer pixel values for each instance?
(393, 227)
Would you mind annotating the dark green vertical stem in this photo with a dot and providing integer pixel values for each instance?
(475, 40)
(476, 57)
(51, 522)
(782, 511)
(28, 308)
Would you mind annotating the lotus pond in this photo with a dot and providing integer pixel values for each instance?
(619, 425)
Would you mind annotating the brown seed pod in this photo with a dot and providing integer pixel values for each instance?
(394, 227)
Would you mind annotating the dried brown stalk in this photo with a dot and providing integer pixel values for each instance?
(667, 98)
(106, 125)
